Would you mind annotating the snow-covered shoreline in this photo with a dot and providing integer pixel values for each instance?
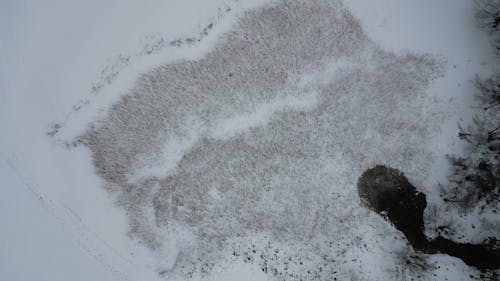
(53, 52)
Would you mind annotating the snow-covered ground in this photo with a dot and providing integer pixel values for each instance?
(63, 63)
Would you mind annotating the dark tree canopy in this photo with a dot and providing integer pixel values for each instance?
(388, 192)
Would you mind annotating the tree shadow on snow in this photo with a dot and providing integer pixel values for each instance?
(388, 192)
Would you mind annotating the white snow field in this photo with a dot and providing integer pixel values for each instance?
(222, 140)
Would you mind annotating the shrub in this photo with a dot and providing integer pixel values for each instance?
(475, 179)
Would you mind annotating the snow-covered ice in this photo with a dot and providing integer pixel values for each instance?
(64, 65)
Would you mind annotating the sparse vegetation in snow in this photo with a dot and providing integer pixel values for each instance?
(289, 176)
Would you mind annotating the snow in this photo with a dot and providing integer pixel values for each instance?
(260, 117)
(59, 221)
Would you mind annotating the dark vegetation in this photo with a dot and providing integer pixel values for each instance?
(475, 179)
(388, 192)
(488, 16)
